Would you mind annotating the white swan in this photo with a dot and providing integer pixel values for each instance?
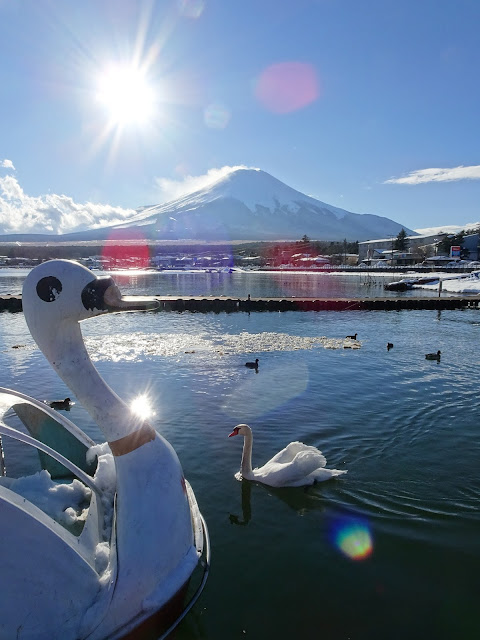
(55, 584)
(295, 466)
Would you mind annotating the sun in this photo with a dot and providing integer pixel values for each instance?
(142, 407)
(126, 94)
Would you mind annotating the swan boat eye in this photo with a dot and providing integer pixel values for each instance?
(49, 288)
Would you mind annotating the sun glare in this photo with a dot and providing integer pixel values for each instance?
(141, 407)
(126, 94)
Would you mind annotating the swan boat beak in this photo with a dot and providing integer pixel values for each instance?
(104, 294)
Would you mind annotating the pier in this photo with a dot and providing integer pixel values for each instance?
(216, 305)
(203, 304)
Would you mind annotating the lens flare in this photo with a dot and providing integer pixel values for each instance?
(353, 538)
(257, 395)
(287, 86)
(141, 407)
(191, 8)
(124, 249)
(216, 116)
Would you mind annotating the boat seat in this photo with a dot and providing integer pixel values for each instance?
(46, 429)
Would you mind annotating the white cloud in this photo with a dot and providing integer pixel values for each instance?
(53, 214)
(7, 164)
(438, 175)
(449, 228)
(172, 189)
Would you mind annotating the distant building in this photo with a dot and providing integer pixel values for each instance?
(349, 259)
(418, 247)
(305, 259)
(471, 244)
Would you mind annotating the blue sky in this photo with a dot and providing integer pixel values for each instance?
(369, 106)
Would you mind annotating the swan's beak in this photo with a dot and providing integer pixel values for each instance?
(114, 301)
(234, 433)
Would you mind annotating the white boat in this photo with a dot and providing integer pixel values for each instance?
(121, 557)
(412, 283)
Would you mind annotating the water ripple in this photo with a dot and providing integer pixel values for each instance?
(390, 502)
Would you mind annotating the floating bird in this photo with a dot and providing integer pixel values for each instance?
(389, 346)
(61, 405)
(433, 356)
(354, 337)
(295, 466)
(252, 365)
(104, 581)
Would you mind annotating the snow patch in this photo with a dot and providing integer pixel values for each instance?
(106, 480)
(67, 503)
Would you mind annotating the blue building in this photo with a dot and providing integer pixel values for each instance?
(471, 244)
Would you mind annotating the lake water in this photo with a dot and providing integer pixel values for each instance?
(241, 283)
(389, 550)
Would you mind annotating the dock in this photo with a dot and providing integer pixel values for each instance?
(229, 305)
(203, 304)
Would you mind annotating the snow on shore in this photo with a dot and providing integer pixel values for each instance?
(465, 283)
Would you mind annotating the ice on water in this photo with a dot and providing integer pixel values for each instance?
(138, 345)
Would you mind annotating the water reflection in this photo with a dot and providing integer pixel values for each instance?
(240, 284)
(246, 488)
(300, 499)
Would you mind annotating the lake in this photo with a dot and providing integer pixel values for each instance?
(300, 284)
(391, 549)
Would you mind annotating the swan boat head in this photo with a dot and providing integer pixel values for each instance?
(57, 296)
(157, 532)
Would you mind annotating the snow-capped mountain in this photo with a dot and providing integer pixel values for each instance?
(250, 204)
(243, 205)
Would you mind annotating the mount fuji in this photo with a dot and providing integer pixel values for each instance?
(250, 204)
(243, 205)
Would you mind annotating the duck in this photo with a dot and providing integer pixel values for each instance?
(389, 346)
(433, 356)
(354, 337)
(252, 365)
(61, 405)
(108, 580)
(296, 465)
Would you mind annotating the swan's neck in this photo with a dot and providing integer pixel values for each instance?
(246, 468)
(69, 357)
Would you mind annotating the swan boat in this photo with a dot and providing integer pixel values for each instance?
(130, 555)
